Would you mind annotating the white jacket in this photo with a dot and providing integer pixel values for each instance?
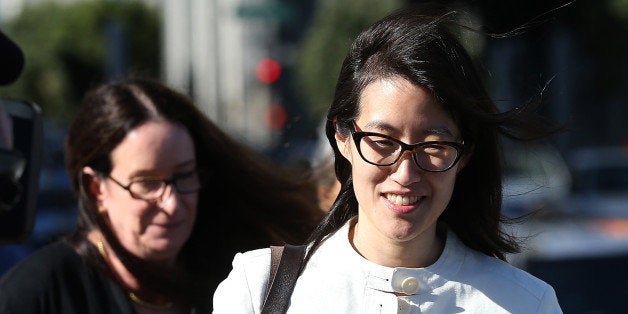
(339, 280)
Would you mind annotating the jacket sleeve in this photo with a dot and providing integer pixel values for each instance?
(549, 302)
(243, 291)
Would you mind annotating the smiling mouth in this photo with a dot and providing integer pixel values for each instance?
(401, 200)
(168, 225)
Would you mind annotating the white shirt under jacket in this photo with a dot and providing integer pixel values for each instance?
(339, 280)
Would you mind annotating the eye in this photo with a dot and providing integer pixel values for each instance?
(434, 148)
(188, 176)
(384, 143)
(189, 181)
(144, 186)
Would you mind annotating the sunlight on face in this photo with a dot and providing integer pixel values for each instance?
(155, 230)
(400, 203)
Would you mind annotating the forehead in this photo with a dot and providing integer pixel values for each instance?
(396, 105)
(153, 146)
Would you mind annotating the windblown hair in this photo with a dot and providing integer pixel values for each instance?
(246, 201)
(419, 46)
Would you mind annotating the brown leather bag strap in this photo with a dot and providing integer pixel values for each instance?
(275, 257)
(285, 266)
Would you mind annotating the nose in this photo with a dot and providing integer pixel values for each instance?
(405, 171)
(170, 200)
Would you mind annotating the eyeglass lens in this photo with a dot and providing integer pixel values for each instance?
(151, 189)
(384, 151)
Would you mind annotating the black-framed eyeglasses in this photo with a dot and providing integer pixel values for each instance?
(383, 150)
(152, 188)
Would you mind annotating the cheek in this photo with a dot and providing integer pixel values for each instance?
(366, 177)
(443, 186)
(127, 215)
(191, 204)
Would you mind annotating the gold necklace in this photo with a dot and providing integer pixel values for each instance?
(132, 295)
(101, 250)
(149, 305)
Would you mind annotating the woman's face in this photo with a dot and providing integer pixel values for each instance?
(154, 230)
(400, 203)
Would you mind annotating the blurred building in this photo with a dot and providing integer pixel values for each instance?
(211, 51)
(230, 56)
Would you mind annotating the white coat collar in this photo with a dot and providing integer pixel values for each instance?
(394, 279)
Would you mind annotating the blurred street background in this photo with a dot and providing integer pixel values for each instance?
(265, 71)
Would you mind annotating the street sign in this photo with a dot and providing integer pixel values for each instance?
(269, 10)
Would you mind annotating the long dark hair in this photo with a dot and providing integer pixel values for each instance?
(420, 47)
(246, 201)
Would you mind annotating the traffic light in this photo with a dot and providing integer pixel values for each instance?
(276, 117)
(268, 70)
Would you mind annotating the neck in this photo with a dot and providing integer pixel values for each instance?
(114, 263)
(128, 280)
(422, 251)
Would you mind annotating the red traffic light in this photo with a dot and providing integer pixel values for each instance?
(276, 117)
(268, 70)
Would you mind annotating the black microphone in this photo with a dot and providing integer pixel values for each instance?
(11, 60)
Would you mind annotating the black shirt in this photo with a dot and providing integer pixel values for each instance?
(55, 279)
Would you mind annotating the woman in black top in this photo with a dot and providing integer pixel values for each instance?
(165, 200)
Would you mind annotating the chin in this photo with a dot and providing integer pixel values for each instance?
(165, 249)
(403, 236)
(404, 230)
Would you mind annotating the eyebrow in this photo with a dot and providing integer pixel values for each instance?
(381, 126)
(439, 131)
(384, 126)
(150, 172)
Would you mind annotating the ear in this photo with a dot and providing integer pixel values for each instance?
(93, 184)
(344, 145)
(465, 159)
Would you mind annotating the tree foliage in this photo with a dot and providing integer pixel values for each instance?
(67, 47)
(334, 26)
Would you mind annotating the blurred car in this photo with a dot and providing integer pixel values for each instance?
(600, 182)
(583, 253)
(56, 203)
(56, 213)
(537, 179)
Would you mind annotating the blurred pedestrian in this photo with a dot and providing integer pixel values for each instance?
(165, 199)
(416, 227)
(327, 186)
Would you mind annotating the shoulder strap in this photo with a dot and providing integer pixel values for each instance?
(275, 257)
(285, 267)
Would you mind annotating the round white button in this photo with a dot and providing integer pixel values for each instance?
(410, 285)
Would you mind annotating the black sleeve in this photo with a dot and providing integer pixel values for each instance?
(56, 280)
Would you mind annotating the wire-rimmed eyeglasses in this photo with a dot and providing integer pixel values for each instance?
(383, 150)
(153, 188)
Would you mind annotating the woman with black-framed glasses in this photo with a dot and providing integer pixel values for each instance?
(383, 150)
(416, 225)
(165, 200)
